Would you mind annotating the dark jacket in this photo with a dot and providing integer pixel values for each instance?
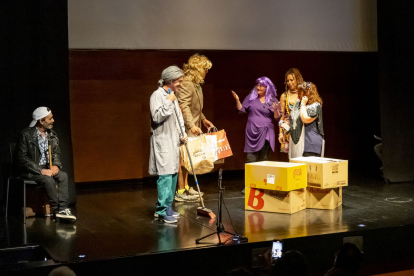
(29, 155)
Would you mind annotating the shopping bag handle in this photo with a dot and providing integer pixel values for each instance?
(214, 128)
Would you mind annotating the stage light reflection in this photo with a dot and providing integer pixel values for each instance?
(81, 256)
(361, 225)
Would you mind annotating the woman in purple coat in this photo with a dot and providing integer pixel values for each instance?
(262, 107)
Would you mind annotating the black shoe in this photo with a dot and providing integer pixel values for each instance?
(65, 214)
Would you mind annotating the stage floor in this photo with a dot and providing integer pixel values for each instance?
(116, 222)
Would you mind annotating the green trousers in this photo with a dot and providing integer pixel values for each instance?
(166, 185)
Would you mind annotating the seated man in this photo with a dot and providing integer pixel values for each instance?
(33, 158)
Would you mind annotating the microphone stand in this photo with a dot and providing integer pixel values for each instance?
(220, 226)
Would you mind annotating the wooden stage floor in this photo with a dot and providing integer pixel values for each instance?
(118, 222)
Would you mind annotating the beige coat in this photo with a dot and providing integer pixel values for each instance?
(191, 103)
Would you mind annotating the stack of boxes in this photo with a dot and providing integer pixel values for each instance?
(326, 177)
(305, 182)
(275, 187)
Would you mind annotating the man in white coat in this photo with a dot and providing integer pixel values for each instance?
(166, 121)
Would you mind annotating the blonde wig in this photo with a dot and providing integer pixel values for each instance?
(192, 70)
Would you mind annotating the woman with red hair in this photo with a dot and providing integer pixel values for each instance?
(305, 123)
(311, 116)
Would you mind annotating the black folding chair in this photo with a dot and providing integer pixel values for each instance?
(13, 177)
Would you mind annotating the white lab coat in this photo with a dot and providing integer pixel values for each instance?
(165, 139)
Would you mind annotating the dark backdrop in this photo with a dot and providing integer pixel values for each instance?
(110, 91)
(396, 59)
(34, 72)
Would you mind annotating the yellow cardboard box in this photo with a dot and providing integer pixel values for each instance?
(279, 176)
(275, 201)
(323, 198)
(325, 172)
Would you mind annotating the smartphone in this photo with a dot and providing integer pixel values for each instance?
(277, 249)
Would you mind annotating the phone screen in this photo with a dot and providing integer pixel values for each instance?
(277, 249)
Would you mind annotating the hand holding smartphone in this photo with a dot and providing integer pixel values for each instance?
(277, 249)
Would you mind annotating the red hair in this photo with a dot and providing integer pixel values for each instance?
(311, 92)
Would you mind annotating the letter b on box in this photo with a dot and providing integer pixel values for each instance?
(259, 197)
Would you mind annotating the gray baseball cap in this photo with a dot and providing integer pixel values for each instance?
(39, 113)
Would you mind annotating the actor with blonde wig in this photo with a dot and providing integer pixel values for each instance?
(190, 97)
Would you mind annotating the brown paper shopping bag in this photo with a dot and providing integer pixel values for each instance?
(201, 153)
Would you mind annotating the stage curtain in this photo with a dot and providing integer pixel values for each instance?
(396, 60)
(34, 72)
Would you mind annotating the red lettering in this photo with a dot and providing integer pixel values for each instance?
(279, 194)
(319, 191)
(260, 201)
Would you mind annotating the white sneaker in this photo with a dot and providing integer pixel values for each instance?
(65, 214)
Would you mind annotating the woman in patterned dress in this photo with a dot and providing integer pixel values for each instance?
(292, 78)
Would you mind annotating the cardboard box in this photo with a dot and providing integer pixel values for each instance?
(323, 198)
(279, 176)
(275, 201)
(325, 172)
